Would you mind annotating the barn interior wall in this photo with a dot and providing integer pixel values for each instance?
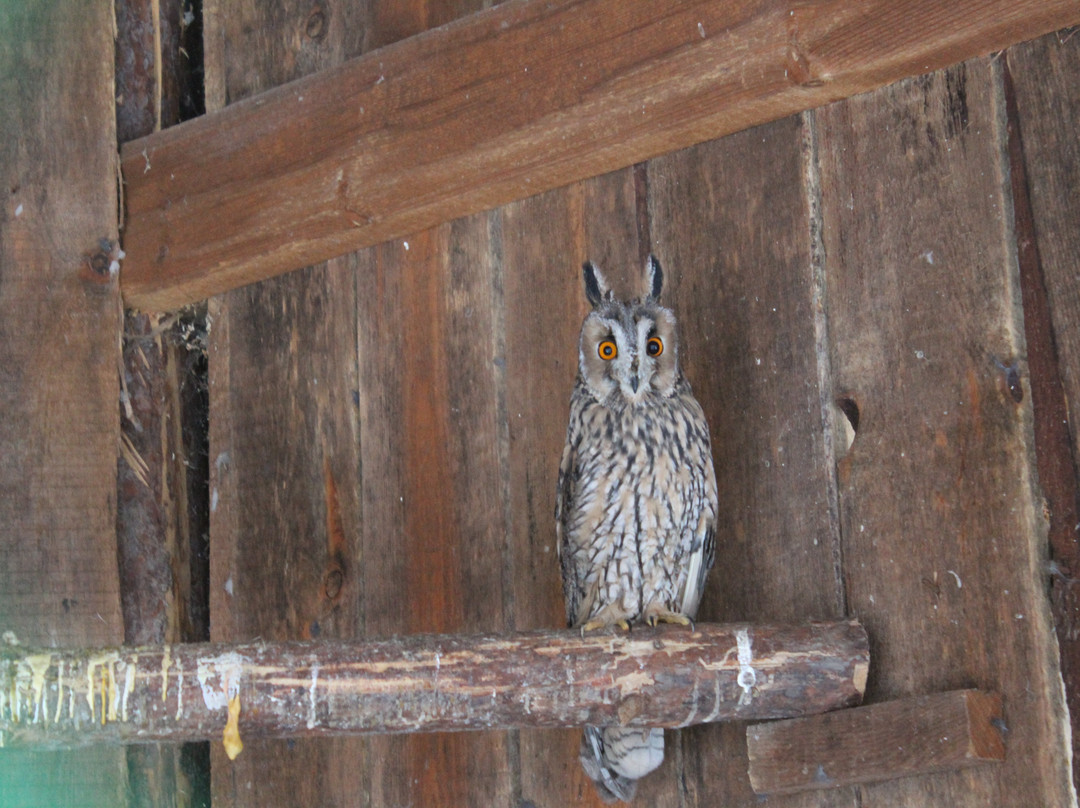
(861, 254)
(857, 289)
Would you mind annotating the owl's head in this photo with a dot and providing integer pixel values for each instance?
(628, 350)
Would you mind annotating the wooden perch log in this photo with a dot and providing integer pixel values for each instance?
(878, 742)
(509, 102)
(669, 676)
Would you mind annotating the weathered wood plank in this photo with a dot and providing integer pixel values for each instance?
(158, 407)
(152, 66)
(284, 451)
(433, 474)
(59, 335)
(59, 356)
(670, 676)
(379, 422)
(285, 463)
(150, 481)
(926, 341)
(431, 430)
(1045, 77)
(545, 239)
(514, 100)
(918, 735)
(291, 460)
(1048, 99)
(731, 223)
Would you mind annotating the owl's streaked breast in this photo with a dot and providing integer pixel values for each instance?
(639, 501)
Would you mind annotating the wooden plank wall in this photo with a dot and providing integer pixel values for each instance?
(59, 354)
(385, 428)
(943, 532)
(1046, 175)
(315, 377)
(286, 556)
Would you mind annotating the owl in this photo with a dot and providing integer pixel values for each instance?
(636, 503)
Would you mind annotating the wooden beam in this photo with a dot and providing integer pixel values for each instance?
(521, 98)
(60, 328)
(652, 677)
(879, 742)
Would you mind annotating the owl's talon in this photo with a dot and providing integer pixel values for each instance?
(598, 623)
(655, 617)
(611, 615)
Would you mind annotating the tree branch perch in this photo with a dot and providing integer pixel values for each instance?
(667, 676)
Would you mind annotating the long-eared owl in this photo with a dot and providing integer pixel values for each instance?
(636, 501)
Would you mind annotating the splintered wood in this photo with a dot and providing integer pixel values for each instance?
(653, 677)
(882, 741)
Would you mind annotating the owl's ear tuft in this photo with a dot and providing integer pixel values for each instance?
(654, 278)
(596, 288)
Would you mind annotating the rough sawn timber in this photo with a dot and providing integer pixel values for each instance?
(59, 355)
(926, 343)
(731, 221)
(309, 380)
(508, 102)
(1045, 75)
(669, 676)
(917, 735)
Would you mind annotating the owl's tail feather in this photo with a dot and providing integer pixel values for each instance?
(615, 759)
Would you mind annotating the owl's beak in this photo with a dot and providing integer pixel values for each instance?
(634, 383)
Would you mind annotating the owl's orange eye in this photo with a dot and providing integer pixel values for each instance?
(655, 346)
(607, 350)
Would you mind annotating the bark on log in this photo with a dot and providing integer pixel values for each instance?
(669, 676)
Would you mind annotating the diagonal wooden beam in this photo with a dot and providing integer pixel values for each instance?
(670, 676)
(515, 100)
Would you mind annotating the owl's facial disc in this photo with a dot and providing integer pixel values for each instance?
(600, 350)
(629, 351)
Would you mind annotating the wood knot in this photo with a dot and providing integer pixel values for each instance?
(798, 69)
(333, 582)
(315, 26)
(100, 264)
(1010, 376)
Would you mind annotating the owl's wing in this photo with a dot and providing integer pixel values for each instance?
(703, 549)
(697, 569)
(566, 506)
(564, 494)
